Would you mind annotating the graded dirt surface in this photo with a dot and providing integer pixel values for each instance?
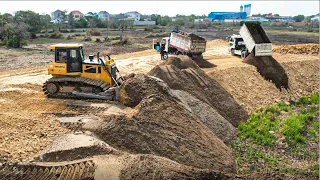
(180, 117)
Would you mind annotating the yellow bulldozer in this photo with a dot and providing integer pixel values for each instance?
(74, 77)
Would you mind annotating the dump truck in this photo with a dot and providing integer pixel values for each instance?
(73, 76)
(252, 39)
(181, 43)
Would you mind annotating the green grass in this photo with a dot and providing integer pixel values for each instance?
(262, 124)
(277, 135)
(294, 126)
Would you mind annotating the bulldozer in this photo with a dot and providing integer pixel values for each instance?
(76, 77)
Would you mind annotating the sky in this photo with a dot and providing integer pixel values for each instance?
(170, 8)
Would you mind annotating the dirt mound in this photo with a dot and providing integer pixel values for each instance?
(162, 168)
(303, 78)
(71, 147)
(208, 116)
(181, 62)
(270, 69)
(298, 49)
(202, 87)
(163, 127)
(252, 91)
(135, 89)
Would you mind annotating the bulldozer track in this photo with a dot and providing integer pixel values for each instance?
(80, 170)
(84, 81)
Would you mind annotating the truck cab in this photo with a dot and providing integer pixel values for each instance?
(237, 46)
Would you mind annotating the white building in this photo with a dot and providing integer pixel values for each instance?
(104, 15)
(134, 15)
(316, 17)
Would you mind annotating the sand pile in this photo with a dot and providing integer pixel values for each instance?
(162, 126)
(184, 62)
(250, 89)
(201, 86)
(270, 69)
(298, 49)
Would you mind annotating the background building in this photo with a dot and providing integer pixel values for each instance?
(222, 16)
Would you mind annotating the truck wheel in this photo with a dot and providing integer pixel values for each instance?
(165, 56)
(244, 54)
(232, 52)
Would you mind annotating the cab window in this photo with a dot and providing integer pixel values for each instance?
(61, 56)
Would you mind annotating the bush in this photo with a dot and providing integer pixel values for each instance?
(86, 38)
(69, 37)
(98, 40)
(94, 32)
(149, 28)
(152, 35)
(77, 35)
(124, 41)
(56, 35)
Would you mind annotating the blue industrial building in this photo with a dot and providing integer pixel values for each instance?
(220, 16)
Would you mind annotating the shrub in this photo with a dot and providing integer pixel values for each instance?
(152, 35)
(149, 28)
(98, 40)
(77, 34)
(86, 38)
(69, 37)
(56, 35)
(94, 32)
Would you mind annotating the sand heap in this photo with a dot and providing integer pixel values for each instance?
(178, 113)
(197, 83)
(298, 49)
(270, 69)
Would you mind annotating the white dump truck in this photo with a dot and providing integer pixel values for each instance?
(181, 43)
(252, 39)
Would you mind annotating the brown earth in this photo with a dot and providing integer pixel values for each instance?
(161, 126)
(180, 112)
(250, 89)
(200, 85)
(298, 49)
(270, 69)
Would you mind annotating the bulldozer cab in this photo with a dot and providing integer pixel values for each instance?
(70, 54)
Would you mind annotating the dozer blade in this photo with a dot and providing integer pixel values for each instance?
(94, 96)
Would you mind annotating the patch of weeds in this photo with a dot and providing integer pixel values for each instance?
(311, 99)
(294, 126)
(259, 127)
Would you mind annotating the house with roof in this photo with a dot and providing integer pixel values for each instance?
(77, 15)
(316, 18)
(104, 15)
(56, 14)
(134, 15)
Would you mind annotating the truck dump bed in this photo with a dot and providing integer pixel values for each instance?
(189, 43)
(256, 39)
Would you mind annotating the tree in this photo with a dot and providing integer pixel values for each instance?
(16, 33)
(30, 18)
(156, 17)
(298, 18)
(82, 23)
(45, 21)
(71, 21)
